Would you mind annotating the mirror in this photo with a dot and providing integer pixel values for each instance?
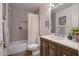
(64, 15)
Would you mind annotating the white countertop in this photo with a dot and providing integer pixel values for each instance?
(65, 41)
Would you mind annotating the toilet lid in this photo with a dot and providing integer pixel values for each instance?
(33, 45)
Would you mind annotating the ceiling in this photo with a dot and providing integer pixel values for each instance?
(31, 7)
(61, 7)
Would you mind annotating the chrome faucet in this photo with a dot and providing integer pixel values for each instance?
(61, 31)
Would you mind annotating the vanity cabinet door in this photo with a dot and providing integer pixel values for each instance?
(45, 48)
(52, 50)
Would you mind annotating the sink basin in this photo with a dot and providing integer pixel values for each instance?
(53, 36)
(57, 37)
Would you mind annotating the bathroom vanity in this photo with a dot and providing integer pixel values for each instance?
(53, 46)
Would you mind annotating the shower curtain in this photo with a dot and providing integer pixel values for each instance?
(33, 28)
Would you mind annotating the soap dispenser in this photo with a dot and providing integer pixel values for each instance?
(69, 37)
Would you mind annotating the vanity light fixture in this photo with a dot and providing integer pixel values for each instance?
(55, 5)
(52, 5)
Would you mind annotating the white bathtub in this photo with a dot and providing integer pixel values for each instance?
(17, 46)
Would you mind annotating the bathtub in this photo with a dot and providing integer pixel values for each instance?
(17, 46)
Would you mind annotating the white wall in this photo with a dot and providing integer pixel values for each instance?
(71, 14)
(1, 28)
(45, 14)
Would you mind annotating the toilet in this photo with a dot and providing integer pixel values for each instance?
(34, 47)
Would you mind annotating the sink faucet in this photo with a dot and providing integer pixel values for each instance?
(61, 31)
